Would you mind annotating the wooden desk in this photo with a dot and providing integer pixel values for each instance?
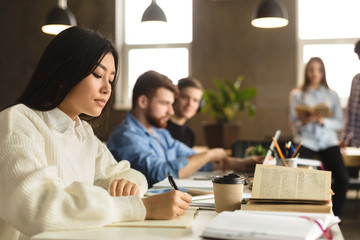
(116, 233)
(141, 233)
(351, 156)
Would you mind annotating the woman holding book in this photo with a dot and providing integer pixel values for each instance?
(55, 173)
(317, 130)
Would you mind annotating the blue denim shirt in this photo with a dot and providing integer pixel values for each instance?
(155, 155)
(313, 135)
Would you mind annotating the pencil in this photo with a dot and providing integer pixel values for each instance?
(278, 148)
(296, 151)
(279, 152)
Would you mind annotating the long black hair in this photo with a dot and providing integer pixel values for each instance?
(70, 57)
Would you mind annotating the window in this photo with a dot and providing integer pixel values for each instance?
(329, 29)
(163, 47)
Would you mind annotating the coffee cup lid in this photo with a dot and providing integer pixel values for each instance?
(231, 178)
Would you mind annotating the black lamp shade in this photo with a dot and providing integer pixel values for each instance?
(271, 8)
(61, 16)
(57, 20)
(270, 14)
(154, 13)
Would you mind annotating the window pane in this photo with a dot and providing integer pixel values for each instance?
(320, 19)
(341, 64)
(172, 62)
(177, 29)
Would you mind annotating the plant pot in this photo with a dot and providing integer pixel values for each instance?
(221, 135)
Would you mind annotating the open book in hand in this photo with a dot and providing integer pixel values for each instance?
(269, 225)
(304, 112)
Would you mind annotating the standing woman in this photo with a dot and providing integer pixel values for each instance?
(317, 133)
(54, 173)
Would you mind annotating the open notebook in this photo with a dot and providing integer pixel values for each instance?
(269, 225)
(180, 222)
(186, 184)
(196, 194)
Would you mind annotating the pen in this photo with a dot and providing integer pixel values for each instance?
(271, 149)
(296, 151)
(172, 182)
(287, 149)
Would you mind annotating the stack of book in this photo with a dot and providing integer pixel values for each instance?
(285, 189)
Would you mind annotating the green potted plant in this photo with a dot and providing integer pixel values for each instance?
(224, 105)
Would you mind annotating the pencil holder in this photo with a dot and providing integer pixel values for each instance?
(291, 162)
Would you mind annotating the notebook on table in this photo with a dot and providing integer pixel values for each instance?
(269, 225)
(180, 222)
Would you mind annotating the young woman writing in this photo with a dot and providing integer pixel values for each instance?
(54, 172)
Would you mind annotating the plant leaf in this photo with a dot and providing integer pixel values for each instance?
(229, 99)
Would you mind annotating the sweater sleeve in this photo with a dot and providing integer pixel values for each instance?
(108, 169)
(34, 198)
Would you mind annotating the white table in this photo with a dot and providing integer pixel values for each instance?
(351, 156)
(116, 233)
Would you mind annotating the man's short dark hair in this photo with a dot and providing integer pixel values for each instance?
(189, 82)
(148, 83)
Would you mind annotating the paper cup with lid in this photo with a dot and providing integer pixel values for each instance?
(228, 191)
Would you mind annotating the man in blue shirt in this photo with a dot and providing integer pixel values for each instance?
(142, 139)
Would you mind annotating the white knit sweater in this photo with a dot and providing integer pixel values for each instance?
(55, 174)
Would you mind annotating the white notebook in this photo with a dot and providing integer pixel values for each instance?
(267, 225)
(186, 183)
(180, 222)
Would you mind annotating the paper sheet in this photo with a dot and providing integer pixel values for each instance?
(276, 182)
(267, 225)
(180, 222)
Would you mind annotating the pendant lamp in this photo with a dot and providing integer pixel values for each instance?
(154, 13)
(270, 14)
(59, 19)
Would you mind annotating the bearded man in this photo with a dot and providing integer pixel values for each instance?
(143, 140)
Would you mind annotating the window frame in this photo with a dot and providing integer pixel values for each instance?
(302, 42)
(122, 101)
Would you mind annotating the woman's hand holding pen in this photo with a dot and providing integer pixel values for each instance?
(123, 187)
(167, 205)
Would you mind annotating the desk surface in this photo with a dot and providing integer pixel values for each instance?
(351, 156)
(116, 233)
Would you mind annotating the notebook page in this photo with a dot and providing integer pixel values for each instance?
(186, 183)
(245, 225)
(180, 222)
(276, 182)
